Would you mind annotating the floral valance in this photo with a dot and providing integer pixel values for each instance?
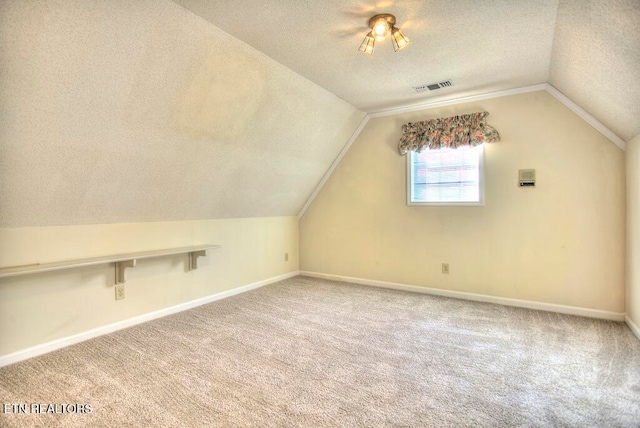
(447, 132)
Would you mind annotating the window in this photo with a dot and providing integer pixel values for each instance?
(445, 177)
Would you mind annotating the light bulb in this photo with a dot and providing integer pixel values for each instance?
(381, 29)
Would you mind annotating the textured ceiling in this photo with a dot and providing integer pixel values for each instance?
(596, 60)
(482, 46)
(133, 111)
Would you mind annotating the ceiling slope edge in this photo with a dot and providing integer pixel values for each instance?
(579, 111)
(599, 126)
(452, 101)
(333, 166)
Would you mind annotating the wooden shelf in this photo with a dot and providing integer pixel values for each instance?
(122, 261)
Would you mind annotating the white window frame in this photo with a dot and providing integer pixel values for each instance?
(472, 204)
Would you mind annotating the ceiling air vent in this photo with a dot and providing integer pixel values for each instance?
(433, 86)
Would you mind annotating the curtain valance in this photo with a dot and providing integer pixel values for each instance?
(452, 132)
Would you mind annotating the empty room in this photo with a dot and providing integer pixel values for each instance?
(320, 214)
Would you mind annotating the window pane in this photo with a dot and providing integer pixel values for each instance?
(446, 175)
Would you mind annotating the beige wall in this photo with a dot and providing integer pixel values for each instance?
(38, 308)
(562, 242)
(633, 230)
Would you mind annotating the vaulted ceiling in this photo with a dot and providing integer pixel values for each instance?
(596, 60)
(138, 111)
(587, 49)
(150, 110)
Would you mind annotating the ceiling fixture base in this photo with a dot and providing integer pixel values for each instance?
(386, 17)
(382, 25)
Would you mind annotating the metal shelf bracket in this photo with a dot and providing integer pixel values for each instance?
(193, 259)
(120, 269)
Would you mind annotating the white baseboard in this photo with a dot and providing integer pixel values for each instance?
(53, 345)
(529, 304)
(633, 326)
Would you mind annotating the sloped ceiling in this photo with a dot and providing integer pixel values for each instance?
(133, 111)
(596, 60)
(588, 49)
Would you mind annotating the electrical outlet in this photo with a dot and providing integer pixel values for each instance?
(119, 291)
(445, 268)
(286, 257)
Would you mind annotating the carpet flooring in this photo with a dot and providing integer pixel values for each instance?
(311, 353)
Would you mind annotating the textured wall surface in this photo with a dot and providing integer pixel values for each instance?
(596, 60)
(633, 230)
(562, 242)
(141, 111)
(42, 307)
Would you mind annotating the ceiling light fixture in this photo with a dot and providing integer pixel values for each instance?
(381, 26)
